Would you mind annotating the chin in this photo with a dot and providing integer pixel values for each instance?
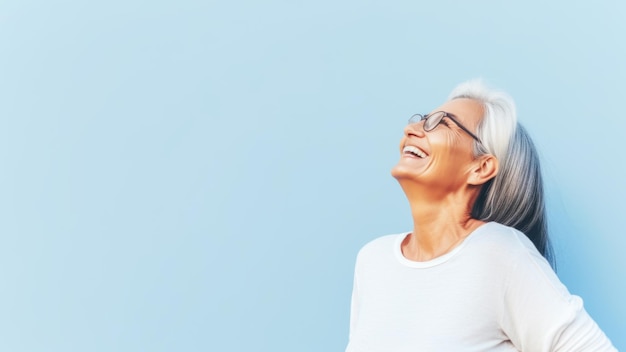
(402, 172)
(410, 175)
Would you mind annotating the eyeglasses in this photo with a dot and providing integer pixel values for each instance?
(432, 120)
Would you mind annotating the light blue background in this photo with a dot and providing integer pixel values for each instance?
(199, 176)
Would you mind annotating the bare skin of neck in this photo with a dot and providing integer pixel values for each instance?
(439, 225)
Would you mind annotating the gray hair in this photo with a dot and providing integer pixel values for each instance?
(515, 196)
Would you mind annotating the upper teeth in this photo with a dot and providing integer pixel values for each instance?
(414, 150)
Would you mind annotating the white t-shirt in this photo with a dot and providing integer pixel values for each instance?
(493, 292)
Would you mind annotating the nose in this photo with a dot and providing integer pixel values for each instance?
(415, 129)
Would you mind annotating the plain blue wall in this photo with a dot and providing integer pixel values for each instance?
(199, 176)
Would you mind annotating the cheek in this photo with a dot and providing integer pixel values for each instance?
(401, 145)
(446, 145)
(459, 145)
(453, 155)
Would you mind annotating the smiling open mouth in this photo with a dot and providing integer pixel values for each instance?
(409, 149)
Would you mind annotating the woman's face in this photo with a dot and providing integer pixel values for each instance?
(444, 156)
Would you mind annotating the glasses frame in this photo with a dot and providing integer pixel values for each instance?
(419, 117)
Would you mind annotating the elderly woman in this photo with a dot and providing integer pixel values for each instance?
(474, 274)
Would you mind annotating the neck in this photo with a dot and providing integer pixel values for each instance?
(439, 224)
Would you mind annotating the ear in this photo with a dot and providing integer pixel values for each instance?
(485, 168)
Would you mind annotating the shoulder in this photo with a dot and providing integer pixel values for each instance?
(381, 245)
(504, 247)
(513, 251)
(503, 239)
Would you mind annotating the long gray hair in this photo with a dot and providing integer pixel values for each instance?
(515, 196)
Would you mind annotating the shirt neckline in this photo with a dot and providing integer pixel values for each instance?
(435, 261)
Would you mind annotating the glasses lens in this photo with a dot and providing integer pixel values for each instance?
(415, 119)
(433, 120)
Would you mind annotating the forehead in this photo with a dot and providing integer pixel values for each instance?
(468, 111)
